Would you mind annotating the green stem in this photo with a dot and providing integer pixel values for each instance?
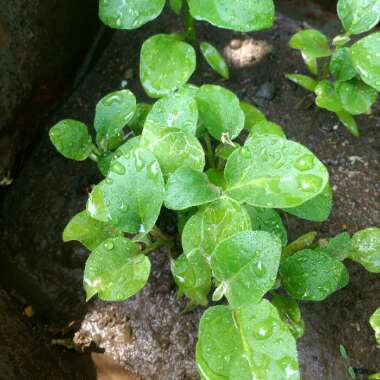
(190, 25)
(158, 235)
(154, 246)
(210, 153)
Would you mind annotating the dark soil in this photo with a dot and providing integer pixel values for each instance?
(147, 334)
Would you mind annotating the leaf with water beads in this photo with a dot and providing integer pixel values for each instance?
(136, 124)
(339, 246)
(131, 196)
(116, 270)
(302, 242)
(341, 65)
(131, 14)
(247, 264)
(327, 97)
(245, 344)
(215, 59)
(265, 128)
(252, 114)
(311, 42)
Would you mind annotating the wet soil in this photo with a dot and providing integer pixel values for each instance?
(148, 334)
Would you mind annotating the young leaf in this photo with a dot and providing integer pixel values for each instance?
(131, 196)
(365, 249)
(327, 97)
(303, 80)
(290, 313)
(267, 219)
(273, 172)
(358, 16)
(116, 270)
(304, 241)
(317, 209)
(339, 246)
(247, 264)
(137, 122)
(356, 97)
(173, 148)
(238, 15)
(215, 222)
(90, 232)
(312, 275)
(178, 110)
(131, 14)
(220, 112)
(252, 114)
(192, 275)
(215, 59)
(113, 112)
(71, 139)
(375, 324)
(176, 6)
(311, 42)
(310, 62)
(364, 55)
(224, 151)
(341, 65)
(216, 177)
(349, 122)
(265, 128)
(245, 344)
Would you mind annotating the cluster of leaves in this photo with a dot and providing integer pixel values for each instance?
(375, 324)
(347, 78)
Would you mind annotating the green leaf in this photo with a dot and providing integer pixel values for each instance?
(137, 122)
(104, 162)
(245, 344)
(304, 241)
(312, 275)
(365, 58)
(375, 324)
(113, 112)
(187, 188)
(178, 110)
(341, 65)
(358, 16)
(166, 64)
(176, 6)
(349, 122)
(131, 14)
(303, 80)
(215, 59)
(264, 128)
(327, 97)
(216, 177)
(116, 270)
(317, 209)
(252, 114)
(214, 223)
(375, 376)
(365, 249)
(267, 219)
(131, 196)
(247, 265)
(238, 15)
(173, 148)
(310, 62)
(220, 112)
(273, 172)
(356, 97)
(71, 139)
(290, 313)
(311, 42)
(192, 275)
(224, 151)
(339, 246)
(90, 232)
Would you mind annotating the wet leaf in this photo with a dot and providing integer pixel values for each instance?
(213, 223)
(290, 313)
(312, 275)
(273, 172)
(116, 270)
(303, 80)
(327, 97)
(339, 246)
(265, 128)
(317, 209)
(238, 15)
(365, 249)
(358, 16)
(90, 232)
(375, 324)
(131, 196)
(302, 242)
(187, 188)
(267, 219)
(215, 59)
(220, 112)
(192, 275)
(245, 344)
(310, 62)
(131, 14)
(365, 58)
(113, 112)
(138, 120)
(341, 65)
(311, 42)
(349, 122)
(166, 64)
(252, 114)
(71, 139)
(224, 151)
(216, 177)
(173, 148)
(247, 264)
(176, 6)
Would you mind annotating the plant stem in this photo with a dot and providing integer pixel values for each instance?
(210, 153)
(189, 25)
(150, 248)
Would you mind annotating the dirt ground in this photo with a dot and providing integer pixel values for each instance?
(148, 334)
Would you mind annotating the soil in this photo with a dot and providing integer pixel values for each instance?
(148, 334)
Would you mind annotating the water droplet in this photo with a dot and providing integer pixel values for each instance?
(305, 162)
(109, 181)
(123, 207)
(309, 183)
(245, 152)
(108, 245)
(112, 99)
(118, 168)
(263, 330)
(119, 296)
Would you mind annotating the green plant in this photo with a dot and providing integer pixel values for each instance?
(347, 78)
(238, 15)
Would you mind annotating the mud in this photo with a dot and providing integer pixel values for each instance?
(147, 334)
